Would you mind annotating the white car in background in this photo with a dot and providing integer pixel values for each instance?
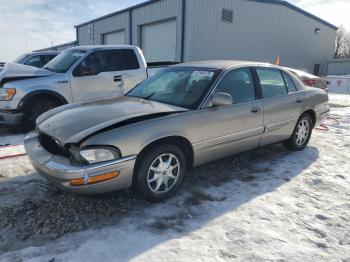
(77, 75)
(309, 79)
(36, 59)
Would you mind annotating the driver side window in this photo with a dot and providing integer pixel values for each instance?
(96, 62)
(239, 84)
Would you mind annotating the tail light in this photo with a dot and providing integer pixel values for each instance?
(310, 82)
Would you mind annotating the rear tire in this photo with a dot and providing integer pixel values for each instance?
(301, 134)
(35, 108)
(160, 173)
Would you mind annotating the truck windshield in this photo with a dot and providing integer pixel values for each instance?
(181, 86)
(62, 62)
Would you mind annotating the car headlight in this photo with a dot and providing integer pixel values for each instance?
(7, 94)
(96, 155)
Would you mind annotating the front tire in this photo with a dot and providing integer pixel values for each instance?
(160, 173)
(36, 108)
(301, 134)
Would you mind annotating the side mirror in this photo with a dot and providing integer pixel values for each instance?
(221, 99)
(84, 71)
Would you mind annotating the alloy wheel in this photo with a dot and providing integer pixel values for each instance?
(163, 173)
(302, 133)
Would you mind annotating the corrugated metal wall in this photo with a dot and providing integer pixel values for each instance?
(339, 67)
(155, 12)
(92, 34)
(260, 31)
(59, 47)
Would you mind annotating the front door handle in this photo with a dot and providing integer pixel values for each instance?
(117, 78)
(299, 100)
(255, 109)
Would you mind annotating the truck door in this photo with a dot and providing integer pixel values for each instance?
(106, 73)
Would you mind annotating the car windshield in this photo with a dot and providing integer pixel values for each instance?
(21, 58)
(183, 87)
(62, 62)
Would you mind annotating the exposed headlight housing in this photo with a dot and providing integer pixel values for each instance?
(6, 94)
(97, 155)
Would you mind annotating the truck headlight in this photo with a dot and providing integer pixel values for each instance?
(7, 94)
(96, 155)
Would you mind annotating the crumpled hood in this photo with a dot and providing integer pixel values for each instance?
(13, 70)
(74, 122)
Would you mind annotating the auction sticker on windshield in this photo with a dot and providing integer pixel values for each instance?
(207, 74)
(78, 54)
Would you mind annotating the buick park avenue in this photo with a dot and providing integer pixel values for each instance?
(182, 117)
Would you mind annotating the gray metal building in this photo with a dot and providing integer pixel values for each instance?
(188, 30)
(60, 47)
(340, 67)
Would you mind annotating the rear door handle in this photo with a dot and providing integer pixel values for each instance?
(299, 100)
(117, 78)
(255, 109)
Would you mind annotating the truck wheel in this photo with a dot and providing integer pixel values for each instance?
(159, 175)
(36, 108)
(301, 134)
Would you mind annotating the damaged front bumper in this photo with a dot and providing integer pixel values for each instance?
(60, 171)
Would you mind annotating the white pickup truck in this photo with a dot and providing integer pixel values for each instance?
(76, 75)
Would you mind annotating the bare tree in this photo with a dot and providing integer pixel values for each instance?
(342, 43)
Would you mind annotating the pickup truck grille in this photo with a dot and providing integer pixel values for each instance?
(52, 146)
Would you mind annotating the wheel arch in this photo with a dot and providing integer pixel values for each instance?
(180, 141)
(42, 93)
(311, 112)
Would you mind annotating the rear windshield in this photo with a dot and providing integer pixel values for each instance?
(62, 62)
(183, 87)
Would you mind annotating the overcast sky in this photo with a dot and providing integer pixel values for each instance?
(34, 24)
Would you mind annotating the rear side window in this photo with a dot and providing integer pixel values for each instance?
(131, 61)
(34, 61)
(239, 84)
(272, 82)
(111, 60)
(47, 58)
(289, 82)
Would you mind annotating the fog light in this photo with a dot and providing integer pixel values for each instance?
(93, 179)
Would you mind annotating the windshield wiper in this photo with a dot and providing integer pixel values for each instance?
(48, 68)
(149, 96)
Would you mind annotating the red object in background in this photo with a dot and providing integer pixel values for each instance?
(339, 82)
(310, 82)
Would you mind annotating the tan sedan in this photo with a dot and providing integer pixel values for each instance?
(182, 117)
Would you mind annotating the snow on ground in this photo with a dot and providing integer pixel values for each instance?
(265, 205)
(339, 100)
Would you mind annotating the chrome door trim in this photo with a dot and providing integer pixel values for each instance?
(247, 133)
(278, 125)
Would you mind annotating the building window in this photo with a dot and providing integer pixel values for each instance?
(227, 15)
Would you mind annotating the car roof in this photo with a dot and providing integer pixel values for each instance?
(95, 47)
(44, 53)
(225, 64)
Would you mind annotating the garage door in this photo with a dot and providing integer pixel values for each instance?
(115, 38)
(159, 41)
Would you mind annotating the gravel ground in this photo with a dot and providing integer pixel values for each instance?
(51, 214)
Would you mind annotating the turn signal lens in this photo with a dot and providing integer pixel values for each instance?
(7, 94)
(93, 179)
